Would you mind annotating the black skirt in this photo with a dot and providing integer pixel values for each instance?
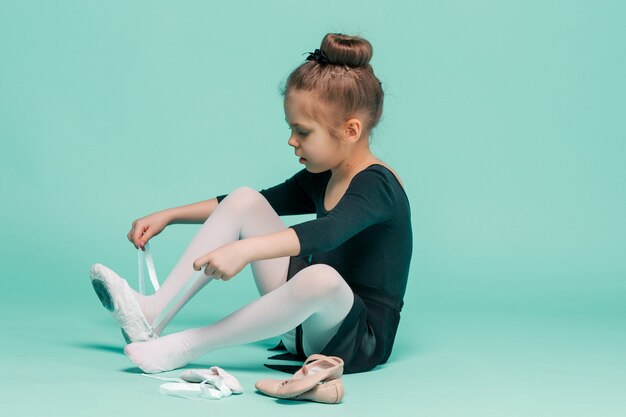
(365, 337)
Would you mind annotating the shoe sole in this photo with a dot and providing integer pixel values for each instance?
(104, 295)
(107, 302)
(126, 337)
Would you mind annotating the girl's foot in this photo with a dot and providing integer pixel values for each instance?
(160, 355)
(122, 301)
(150, 312)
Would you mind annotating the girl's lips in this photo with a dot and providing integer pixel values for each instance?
(302, 160)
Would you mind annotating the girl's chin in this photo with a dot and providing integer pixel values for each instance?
(314, 170)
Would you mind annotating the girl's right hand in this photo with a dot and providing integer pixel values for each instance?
(144, 228)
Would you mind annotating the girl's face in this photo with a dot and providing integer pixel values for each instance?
(309, 138)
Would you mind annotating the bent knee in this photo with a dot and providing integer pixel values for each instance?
(244, 197)
(323, 280)
(245, 192)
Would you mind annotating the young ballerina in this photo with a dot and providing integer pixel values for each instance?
(333, 285)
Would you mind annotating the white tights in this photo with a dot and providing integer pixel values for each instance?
(317, 296)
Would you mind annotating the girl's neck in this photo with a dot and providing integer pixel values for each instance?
(348, 168)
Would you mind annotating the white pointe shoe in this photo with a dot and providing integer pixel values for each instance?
(117, 297)
(198, 375)
(212, 388)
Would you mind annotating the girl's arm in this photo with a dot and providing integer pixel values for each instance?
(195, 213)
(229, 259)
(273, 245)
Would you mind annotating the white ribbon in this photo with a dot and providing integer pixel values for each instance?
(145, 258)
(213, 387)
(170, 379)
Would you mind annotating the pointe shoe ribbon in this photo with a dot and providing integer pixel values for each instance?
(316, 368)
(116, 296)
(213, 389)
(144, 259)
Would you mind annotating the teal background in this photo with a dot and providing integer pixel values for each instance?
(504, 119)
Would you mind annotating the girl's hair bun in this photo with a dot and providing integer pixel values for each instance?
(352, 51)
(342, 80)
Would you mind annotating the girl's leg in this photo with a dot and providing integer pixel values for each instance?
(317, 296)
(243, 213)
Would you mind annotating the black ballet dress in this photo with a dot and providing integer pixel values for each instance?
(367, 238)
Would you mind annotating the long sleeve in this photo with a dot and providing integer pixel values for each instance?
(293, 196)
(367, 201)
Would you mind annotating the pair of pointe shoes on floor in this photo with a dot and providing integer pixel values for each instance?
(318, 380)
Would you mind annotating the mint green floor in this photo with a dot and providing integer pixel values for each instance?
(505, 120)
(445, 364)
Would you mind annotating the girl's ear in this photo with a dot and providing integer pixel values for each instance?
(352, 130)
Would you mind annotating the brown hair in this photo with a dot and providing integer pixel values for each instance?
(346, 83)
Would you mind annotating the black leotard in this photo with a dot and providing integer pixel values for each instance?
(367, 237)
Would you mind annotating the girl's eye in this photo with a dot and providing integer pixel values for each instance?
(300, 132)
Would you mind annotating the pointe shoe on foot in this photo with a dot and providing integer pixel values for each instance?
(117, 297)
(316, 368)
(329, 392)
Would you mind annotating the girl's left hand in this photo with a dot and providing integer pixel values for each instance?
(224, 262)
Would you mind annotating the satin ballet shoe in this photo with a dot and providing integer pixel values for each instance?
(198, 375)
(329, 392)
(212, 388)
(116, 296)
(316, 368)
